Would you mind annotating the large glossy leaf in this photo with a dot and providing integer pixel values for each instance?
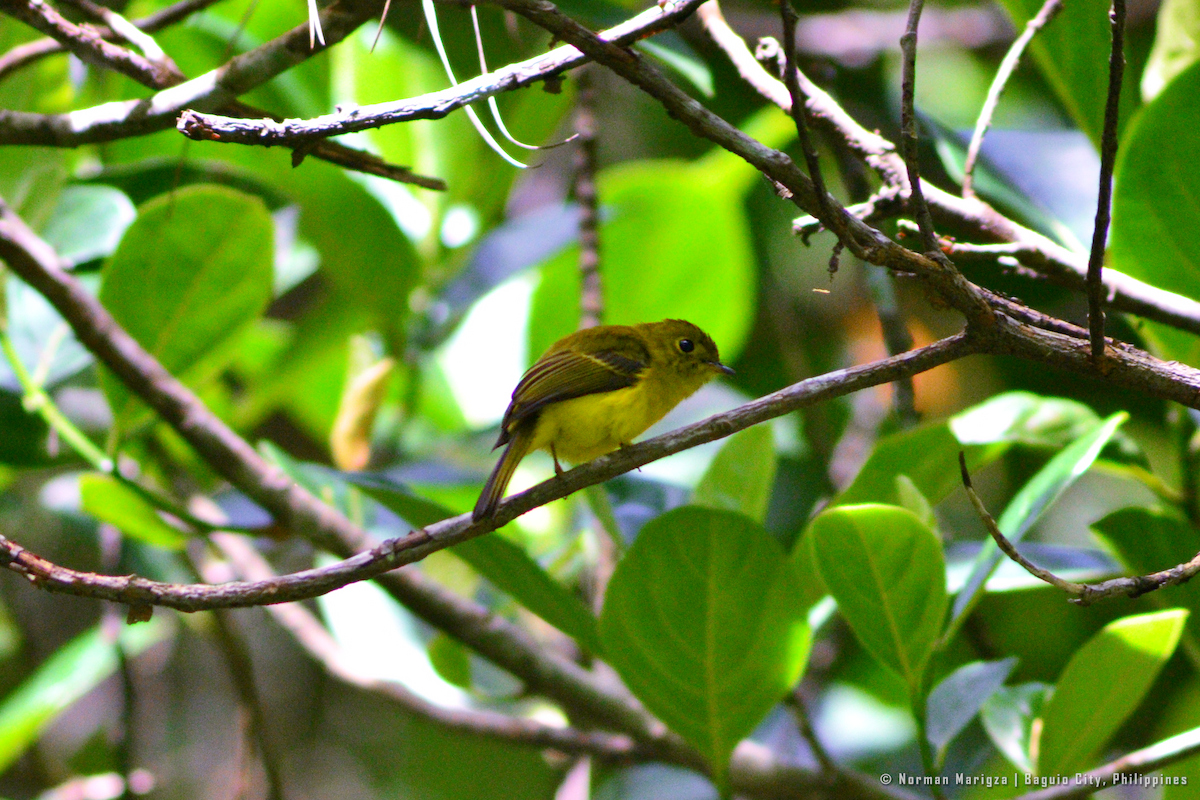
(1101, 686)
(1029, 504)
(741, 476)
(700, 623)
(73, 671)
(954, 702)
(934, 473)
(192, 270)
(111, 501)
(1072, 52)
(40, 336)
(1156, 204)
(502, 562)
(887, 572)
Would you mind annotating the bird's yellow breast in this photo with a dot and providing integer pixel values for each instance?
(586, 427)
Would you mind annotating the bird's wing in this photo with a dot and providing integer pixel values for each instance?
(566, 374)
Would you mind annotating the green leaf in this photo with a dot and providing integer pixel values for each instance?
(741, 476)
(1072, 52)
(1027, 507)
(700, 623)
(954, 702)
(73, 671)
(111, 501)
(687, 64)
(506, 565)
(1176, 45)
(193, 269)
(88, 222)
(887, 573)
(935, 474)
(1008, 717)
(1156, 204)
(1102, 685)
(1025, 418)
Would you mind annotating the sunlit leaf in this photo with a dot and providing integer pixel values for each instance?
(699, 621)
(887, 572)
(194, 268)
(111, 501)
(69, 674)
(741, 476)
(1101, 686)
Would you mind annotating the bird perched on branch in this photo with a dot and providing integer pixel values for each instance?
(597, 389)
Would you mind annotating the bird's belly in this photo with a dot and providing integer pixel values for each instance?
(587, 427)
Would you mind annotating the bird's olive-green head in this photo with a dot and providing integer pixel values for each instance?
(683, 349)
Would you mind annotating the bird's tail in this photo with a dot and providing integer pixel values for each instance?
(518, 448)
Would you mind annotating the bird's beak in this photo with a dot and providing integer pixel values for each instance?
(719, 367)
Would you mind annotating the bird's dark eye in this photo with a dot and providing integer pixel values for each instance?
(687, 345)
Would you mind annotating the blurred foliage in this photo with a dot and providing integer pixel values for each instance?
(338, 320)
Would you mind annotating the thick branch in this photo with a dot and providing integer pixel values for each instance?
(134, 590)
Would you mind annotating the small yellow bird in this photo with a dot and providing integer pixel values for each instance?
(597, 389)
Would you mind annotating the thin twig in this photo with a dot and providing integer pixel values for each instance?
(908, 124)
(126, 30)
(1009, 63)
(26, 54)
(1082, 594)
(435, 105)
(795, 701)
(88, 45)
(212, 90)
(799, 113)
(591, 297)
(1108, 158)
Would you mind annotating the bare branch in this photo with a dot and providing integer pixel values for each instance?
(89, 46)
(1009, 63)
(1108, 159)
(213, 90)
(434, 105)
(26, 54)
(1083, 594)
(908, 124)
(1031, 248)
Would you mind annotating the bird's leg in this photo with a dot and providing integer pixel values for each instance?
(558, 470)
